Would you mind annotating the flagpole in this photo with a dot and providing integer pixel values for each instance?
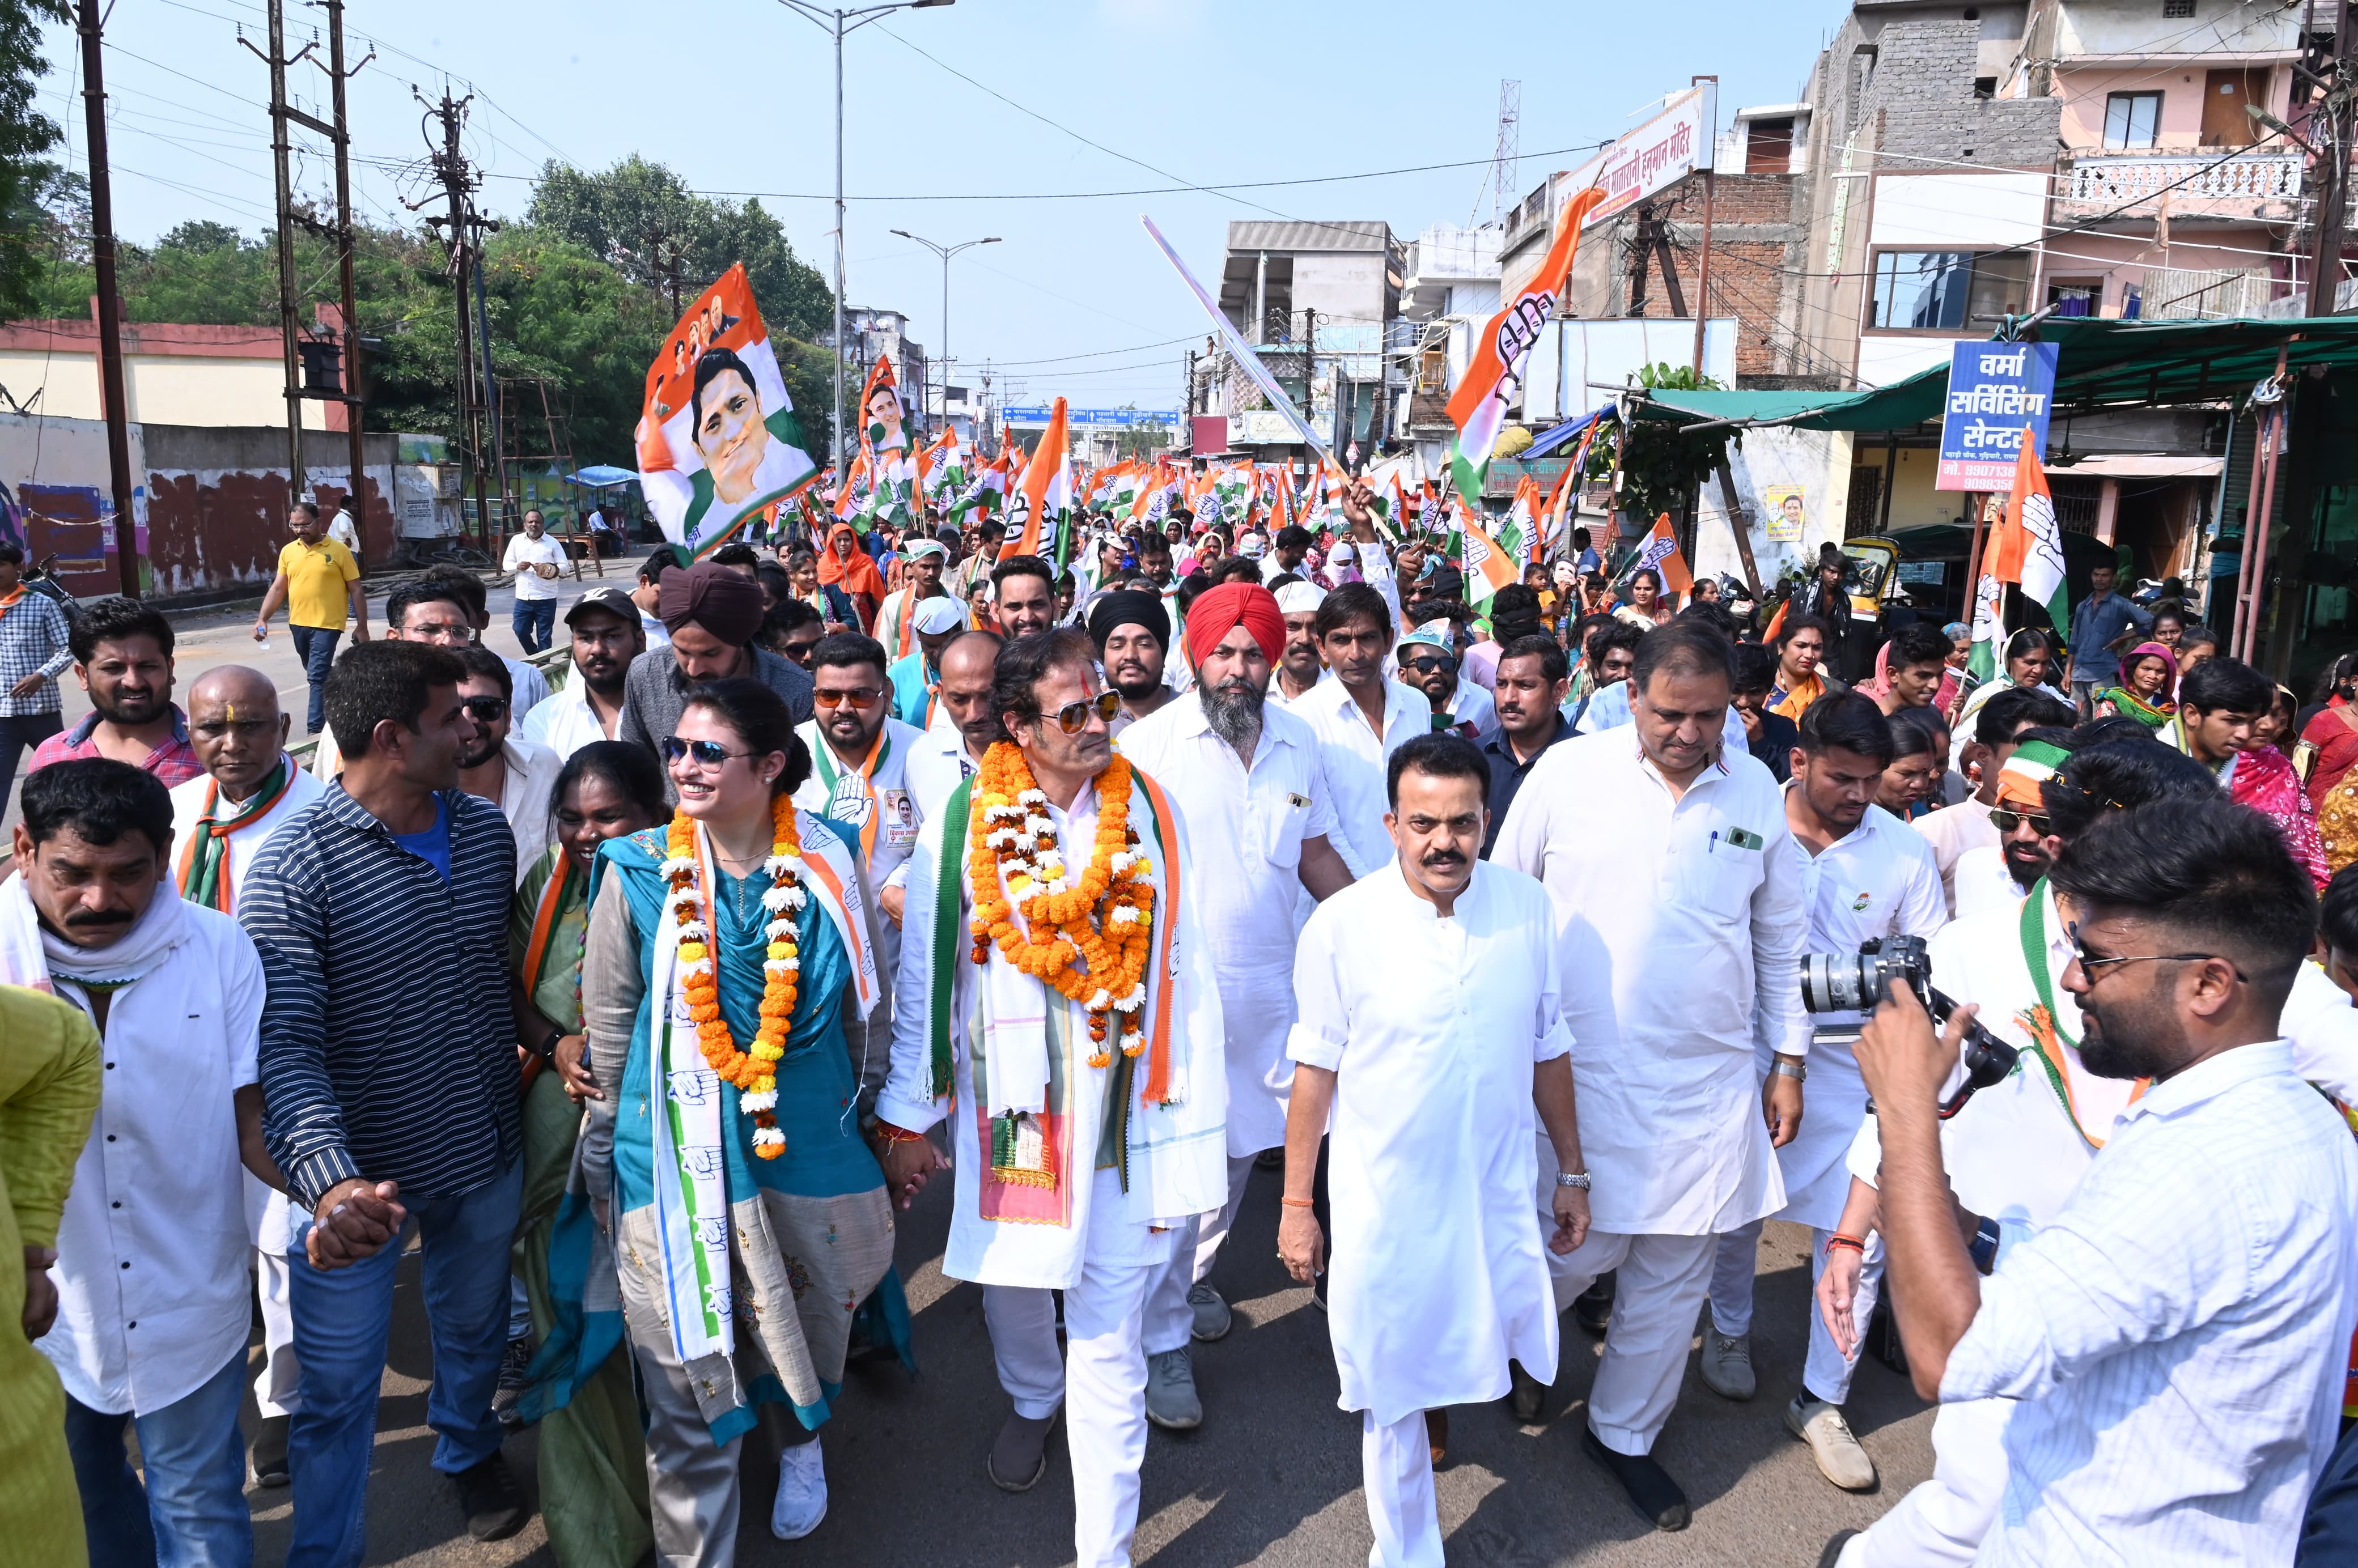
(1980, 503)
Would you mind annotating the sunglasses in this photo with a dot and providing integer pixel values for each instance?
(1074, 717)
(708, 753)
(864, 697)
(2005, 820)
(1428, 666)
(2091, 963)
(486, 709)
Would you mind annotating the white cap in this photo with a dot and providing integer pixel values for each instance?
(1300, 598)
(936, 615)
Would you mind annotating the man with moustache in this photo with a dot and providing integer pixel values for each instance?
(1996, 876)
(713, 615)
(122, 656)
(1025, 588)
(514, 775)
(1133, 632)
(1248, 782)
(859, 766)
(1299, 667)
(926, 559)
(606, 636)
(963, 726)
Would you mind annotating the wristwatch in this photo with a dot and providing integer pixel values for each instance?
(1984, 1246)
(1797, 1071)
(1572, 1179)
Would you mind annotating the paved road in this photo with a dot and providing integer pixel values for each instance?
(1273, 1477)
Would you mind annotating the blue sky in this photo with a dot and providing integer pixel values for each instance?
(737, 97)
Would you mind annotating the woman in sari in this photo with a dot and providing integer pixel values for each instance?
(846, 565)
(1647, 606)
(1800, 645)
(593, 1483)
(2028, 658)
(2332, 731)
(748, 1214)
(2147, 690)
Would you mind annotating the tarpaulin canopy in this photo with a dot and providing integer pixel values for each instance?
(600, 476)
(2101, 364)
(1553, 440)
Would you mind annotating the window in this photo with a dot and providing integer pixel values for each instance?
(1769, 146)
(1947, 291)
(2131, 119)
(1984, 86)
(2076, 296)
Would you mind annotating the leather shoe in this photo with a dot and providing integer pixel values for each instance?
(490, 1498)
(1592, 1308)
(1436, 1435)
(1657, 1497)
(1525, 1393)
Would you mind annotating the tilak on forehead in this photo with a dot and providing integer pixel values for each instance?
(230, 708)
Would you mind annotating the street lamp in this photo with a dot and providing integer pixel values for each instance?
(837, 23)
(946, 252)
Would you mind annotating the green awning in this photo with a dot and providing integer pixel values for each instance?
(2101, 364)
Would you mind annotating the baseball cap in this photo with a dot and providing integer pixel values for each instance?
(614, 600)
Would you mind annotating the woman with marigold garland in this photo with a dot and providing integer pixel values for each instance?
(748, 1214)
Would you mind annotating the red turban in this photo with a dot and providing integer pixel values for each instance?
(1220, 610)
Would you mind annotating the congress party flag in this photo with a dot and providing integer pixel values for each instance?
(1519, 531)
(1660, 550)
(987, 496)
(1487, 566)
(2028, 551)
(1494, 377)
(718, 438)
(941, 467)
(1040, 520)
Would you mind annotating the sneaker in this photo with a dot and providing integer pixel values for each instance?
(1840, 1458)
(1658, 1499)
(1727, 1365)
(1019, 1458)
(269, 1452)
(1592, 1308)
(1524, 1393)
(513, 1382)
(1213, 1320)
(802, 1492)
(1171, 1401)
(490, 1498)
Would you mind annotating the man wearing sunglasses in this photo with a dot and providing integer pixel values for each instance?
(1998, 876)
(1429, 661)
(1076, 1164)
(511, 772)
(859, 765)
(2019, 1149)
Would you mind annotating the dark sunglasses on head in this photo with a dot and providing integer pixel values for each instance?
(486, 709)
(1074, 717)
(708, 753)
(863, 697)
(2005, 820)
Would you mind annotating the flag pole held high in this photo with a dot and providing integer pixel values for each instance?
(2026, 550)
(1041, 521)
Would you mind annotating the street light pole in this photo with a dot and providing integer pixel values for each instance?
(836, 23)
(946, 252)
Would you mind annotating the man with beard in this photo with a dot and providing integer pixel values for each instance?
(859, 765)
(1955, 831)
(713, 615)
(1432, 1083)
(514, 775)
(1532, 676)
(1996, 876)
(1299, 667)
(1429, 659)
(2169, 1338)
(1133, 632)
(1025, 586)
(122, 656)
(1864, 876)
(917, 676)
(604, 625)
(1247, 779)
(1154, 559)
(2019, 1148)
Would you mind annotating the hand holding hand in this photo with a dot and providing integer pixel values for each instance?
(1301, 1244)
(353, 1219)
(909, 1164)
(573, 1070)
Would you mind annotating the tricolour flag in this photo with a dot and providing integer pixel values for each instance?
(718, 439)
(1494, 378)
(2026, 550)
(1487, 565)
(1660, 550)
(1518, 530)
(1041, 522)
(941, 467)
(1555, 514)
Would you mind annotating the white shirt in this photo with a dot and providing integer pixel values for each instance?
(153, 1287)
(657, 634)
(246, 842)
(2176, 1337)
(524, 800)
(1878, 879)
(1982, 881)
(1953, 830)
(1609, 709)
(1431, 1027)
(531, 690)
(1250, 824)
(566, 723)
(876, 806)
(1680, 921)
(937, 765)
(524, 553)
(341, 529)
(1354, 758)
(531, 687)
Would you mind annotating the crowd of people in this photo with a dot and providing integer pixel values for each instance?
(640, 1004)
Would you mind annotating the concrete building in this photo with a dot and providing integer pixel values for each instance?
(870, 332)
(1320, 299)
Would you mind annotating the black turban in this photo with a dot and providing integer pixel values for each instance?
(1128, 607)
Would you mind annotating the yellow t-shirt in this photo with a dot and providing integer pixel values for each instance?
(316, 576)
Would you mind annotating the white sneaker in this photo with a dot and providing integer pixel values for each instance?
(802, 1492)
(1840, 1458)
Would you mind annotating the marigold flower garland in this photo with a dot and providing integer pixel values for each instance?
(1102, 917)
(750, 1071)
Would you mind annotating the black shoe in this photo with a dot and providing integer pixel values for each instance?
(513, 1382)
(269, 1452)
(488, 1496)
(1592, 1308)
(1525, 1393)
(1833, 1553)
(1657, 1497)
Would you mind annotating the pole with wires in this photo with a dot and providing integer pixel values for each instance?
(110, 303)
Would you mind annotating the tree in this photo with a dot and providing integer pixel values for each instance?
(1660, 466)
(26, 176)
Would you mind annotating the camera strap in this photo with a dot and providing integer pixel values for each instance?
(2044, 1022)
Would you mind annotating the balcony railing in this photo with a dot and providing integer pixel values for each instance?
(2115, 180)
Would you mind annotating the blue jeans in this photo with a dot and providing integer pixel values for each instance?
(342, 1319)
(192, 1513)
(316, 647)
(535, 620)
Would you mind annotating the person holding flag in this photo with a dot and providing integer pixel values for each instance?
(2026, 549)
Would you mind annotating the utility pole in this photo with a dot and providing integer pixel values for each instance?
(2329, 132)
(946, 253)
(1703, 266)
(110, 304)
(337, 77)
(451, 167)
(280, 147)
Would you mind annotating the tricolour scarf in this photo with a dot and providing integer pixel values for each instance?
(204, 860)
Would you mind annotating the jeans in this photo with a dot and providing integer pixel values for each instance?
(192, 1511)
(2083, 696)
(316, 647)
(20, 735)
(535, 620)
(342, 1319)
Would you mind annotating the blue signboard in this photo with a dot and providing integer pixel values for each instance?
(1996, 391)
(1036, 416)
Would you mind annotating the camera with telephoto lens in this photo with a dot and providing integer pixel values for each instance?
(1856, 982)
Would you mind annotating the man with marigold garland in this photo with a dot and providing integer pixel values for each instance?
(1058, 1006)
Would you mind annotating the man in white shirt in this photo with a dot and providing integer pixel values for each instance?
(963, 726)
(1997, 876)
(1864, 877)
(152, 1299)
(1299, 668)
(1678, 902)
(1360, 718)
(517, 776)
(1431, 1053)
(1998, 725)
(604, 627)
(1246, 777)
(894, 628)
(1292, 544)
(344, 527)
(534, 560)
(1429, 660)
(2173, 1340)
(250, 790)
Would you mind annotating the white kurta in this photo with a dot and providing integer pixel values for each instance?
(1354, 757)
(1952, 831)
(1878, 879)
(525, 800)
(1681, 927)
(1980, 882)
(937, 765)
(1431, 1027)
(564, 721)
(1250, 826)
(1472, 712)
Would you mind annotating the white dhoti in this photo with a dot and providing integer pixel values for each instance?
(1941, 1523)
(1396, 1471)
(1827, 1373)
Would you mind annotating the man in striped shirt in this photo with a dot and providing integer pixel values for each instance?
(388, 1068)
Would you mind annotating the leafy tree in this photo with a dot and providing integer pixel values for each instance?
(1660, 466)
(25, 133)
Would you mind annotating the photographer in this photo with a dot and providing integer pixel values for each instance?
(2170, 1340)
(1864, 877)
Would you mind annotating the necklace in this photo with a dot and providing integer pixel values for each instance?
(752, 1071)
